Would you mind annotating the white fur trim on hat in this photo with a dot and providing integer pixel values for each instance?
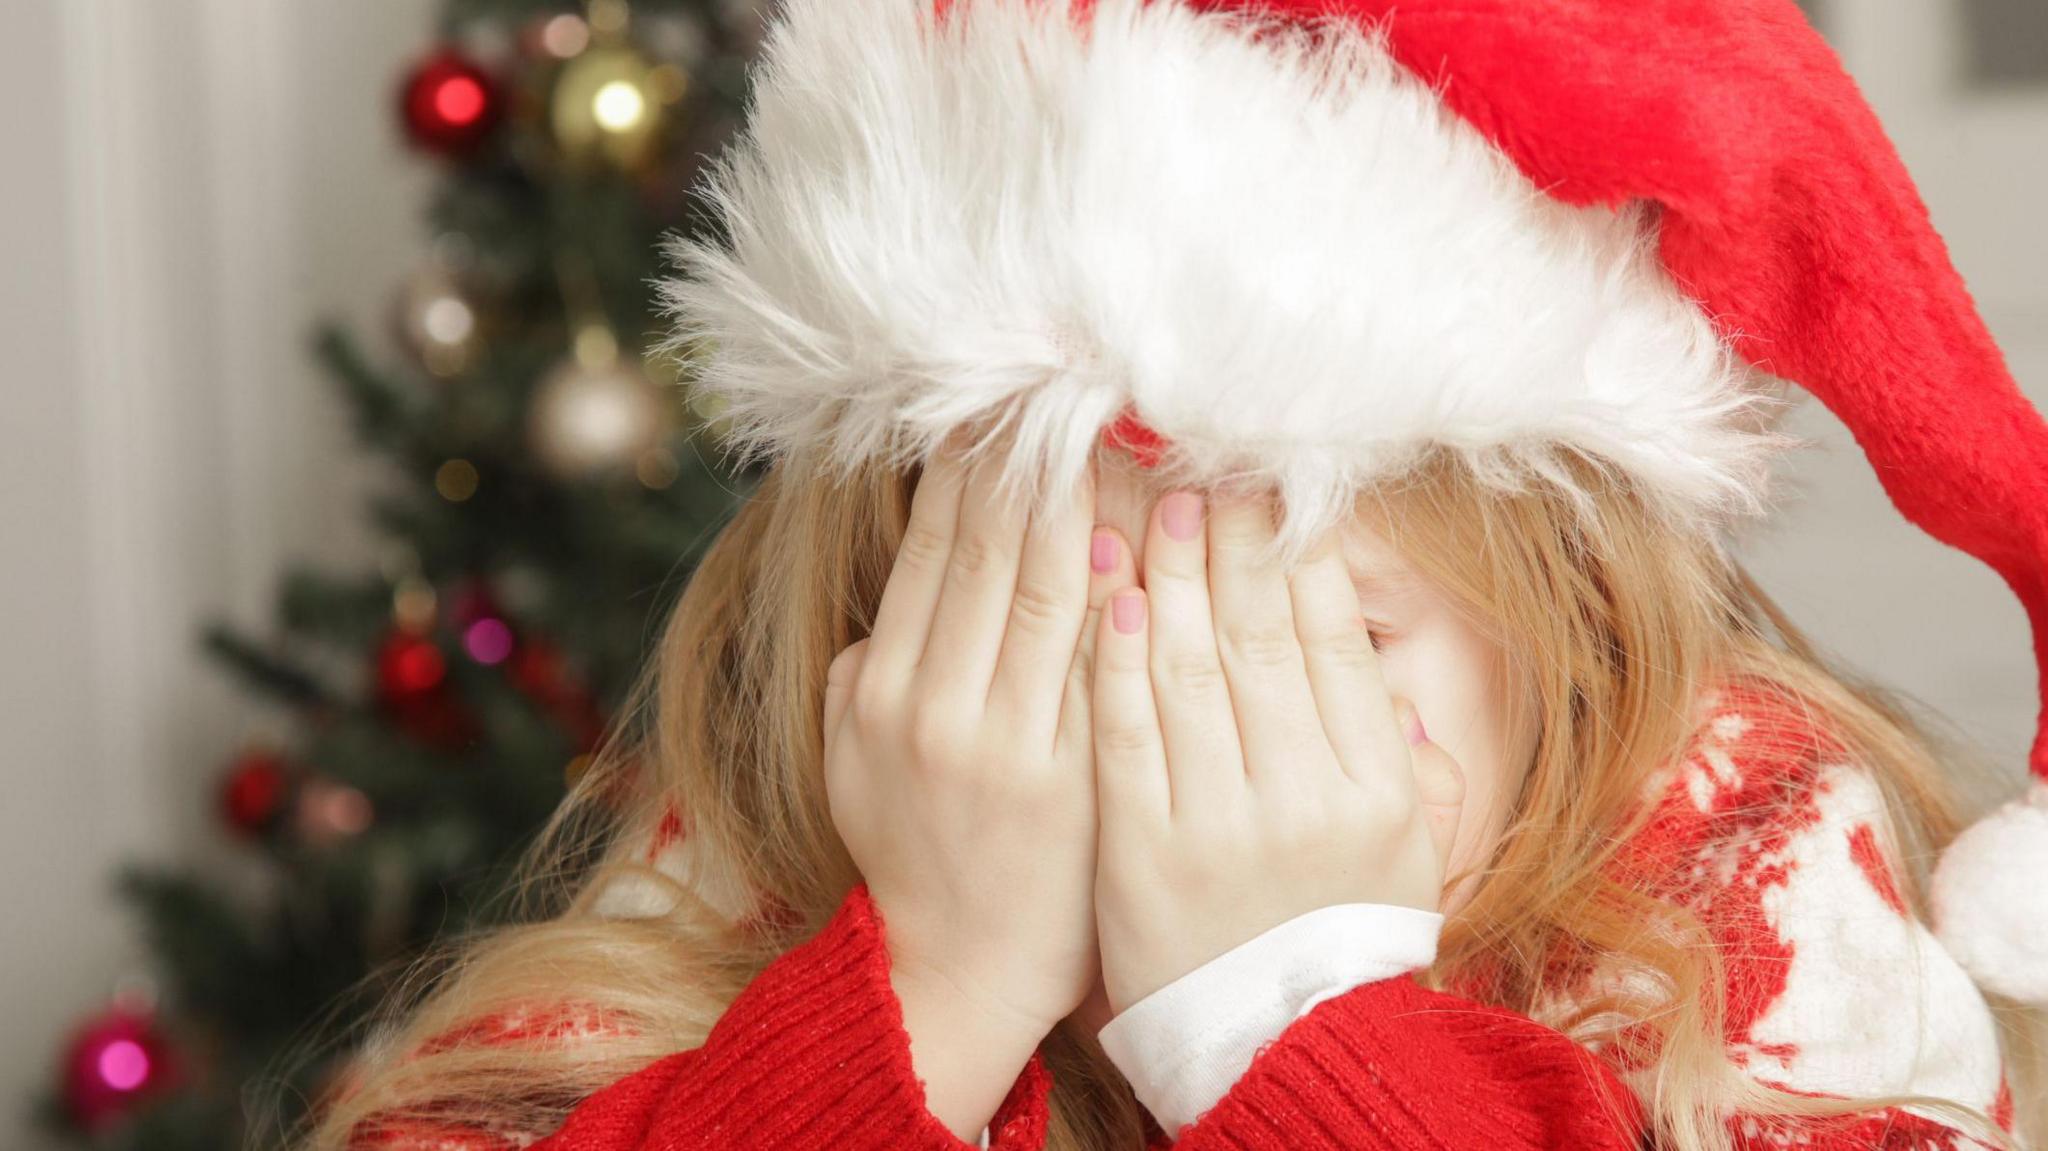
(1990, 898)
(1282, 249)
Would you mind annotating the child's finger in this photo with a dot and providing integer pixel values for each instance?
(1439, 784)
(974, 598)
(1110, 569)
(1343, 670)
(1196, 719)
(903, 619)
(1262, 656)
(1131, 780)
(1047, 611)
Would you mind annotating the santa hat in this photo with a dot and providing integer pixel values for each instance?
(1308, 241)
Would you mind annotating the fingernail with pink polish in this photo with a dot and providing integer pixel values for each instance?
(1181, 514)
(1416, 736)
(1127, 611)
(1102, 553)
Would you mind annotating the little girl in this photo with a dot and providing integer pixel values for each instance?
(1233, 648)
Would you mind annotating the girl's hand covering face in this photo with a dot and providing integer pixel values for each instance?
(1250, 763)
(958, 752)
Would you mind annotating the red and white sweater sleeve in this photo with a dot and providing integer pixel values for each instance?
(1182, 1046)
(811, 1055)
(1833, 987)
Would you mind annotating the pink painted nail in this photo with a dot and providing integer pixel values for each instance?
(1181, 514)
(1127, 611)
(1416, 736)
(1102, 552)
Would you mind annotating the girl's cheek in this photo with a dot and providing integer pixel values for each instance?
(1448, 671)
(1394, 660)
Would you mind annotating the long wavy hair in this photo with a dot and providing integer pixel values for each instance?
(1618, 620)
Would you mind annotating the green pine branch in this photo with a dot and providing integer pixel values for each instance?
(262, 670)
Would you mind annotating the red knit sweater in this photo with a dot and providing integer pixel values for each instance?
(1760, 827)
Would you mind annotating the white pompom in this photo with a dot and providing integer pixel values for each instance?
(1990, 895)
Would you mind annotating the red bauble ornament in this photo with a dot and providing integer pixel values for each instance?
(252, 792)
(541, 673)
(114, 1061)
(410, 668)
(412, 687)
(449, 104)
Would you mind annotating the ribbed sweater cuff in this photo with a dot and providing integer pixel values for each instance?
(1396, 1066)
(814, 1054)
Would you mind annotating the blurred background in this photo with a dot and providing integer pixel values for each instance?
(339, 503)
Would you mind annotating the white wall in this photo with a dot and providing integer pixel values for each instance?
(189, 182)
(1889, 600)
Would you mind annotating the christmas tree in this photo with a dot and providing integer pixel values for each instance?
(553, 489)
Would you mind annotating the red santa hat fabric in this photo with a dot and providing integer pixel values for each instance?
(1308, 241)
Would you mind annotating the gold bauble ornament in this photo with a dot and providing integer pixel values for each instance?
(608, 106)
(597, 414)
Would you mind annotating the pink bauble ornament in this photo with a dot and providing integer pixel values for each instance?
(114, 1061)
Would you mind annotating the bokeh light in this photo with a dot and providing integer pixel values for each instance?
(460, 100)
(124, 1065)
(418, 667)
(456, 480)
(619, 106)
(488, 641)
(565, 36)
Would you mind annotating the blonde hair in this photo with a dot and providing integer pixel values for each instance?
(1619, 619)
